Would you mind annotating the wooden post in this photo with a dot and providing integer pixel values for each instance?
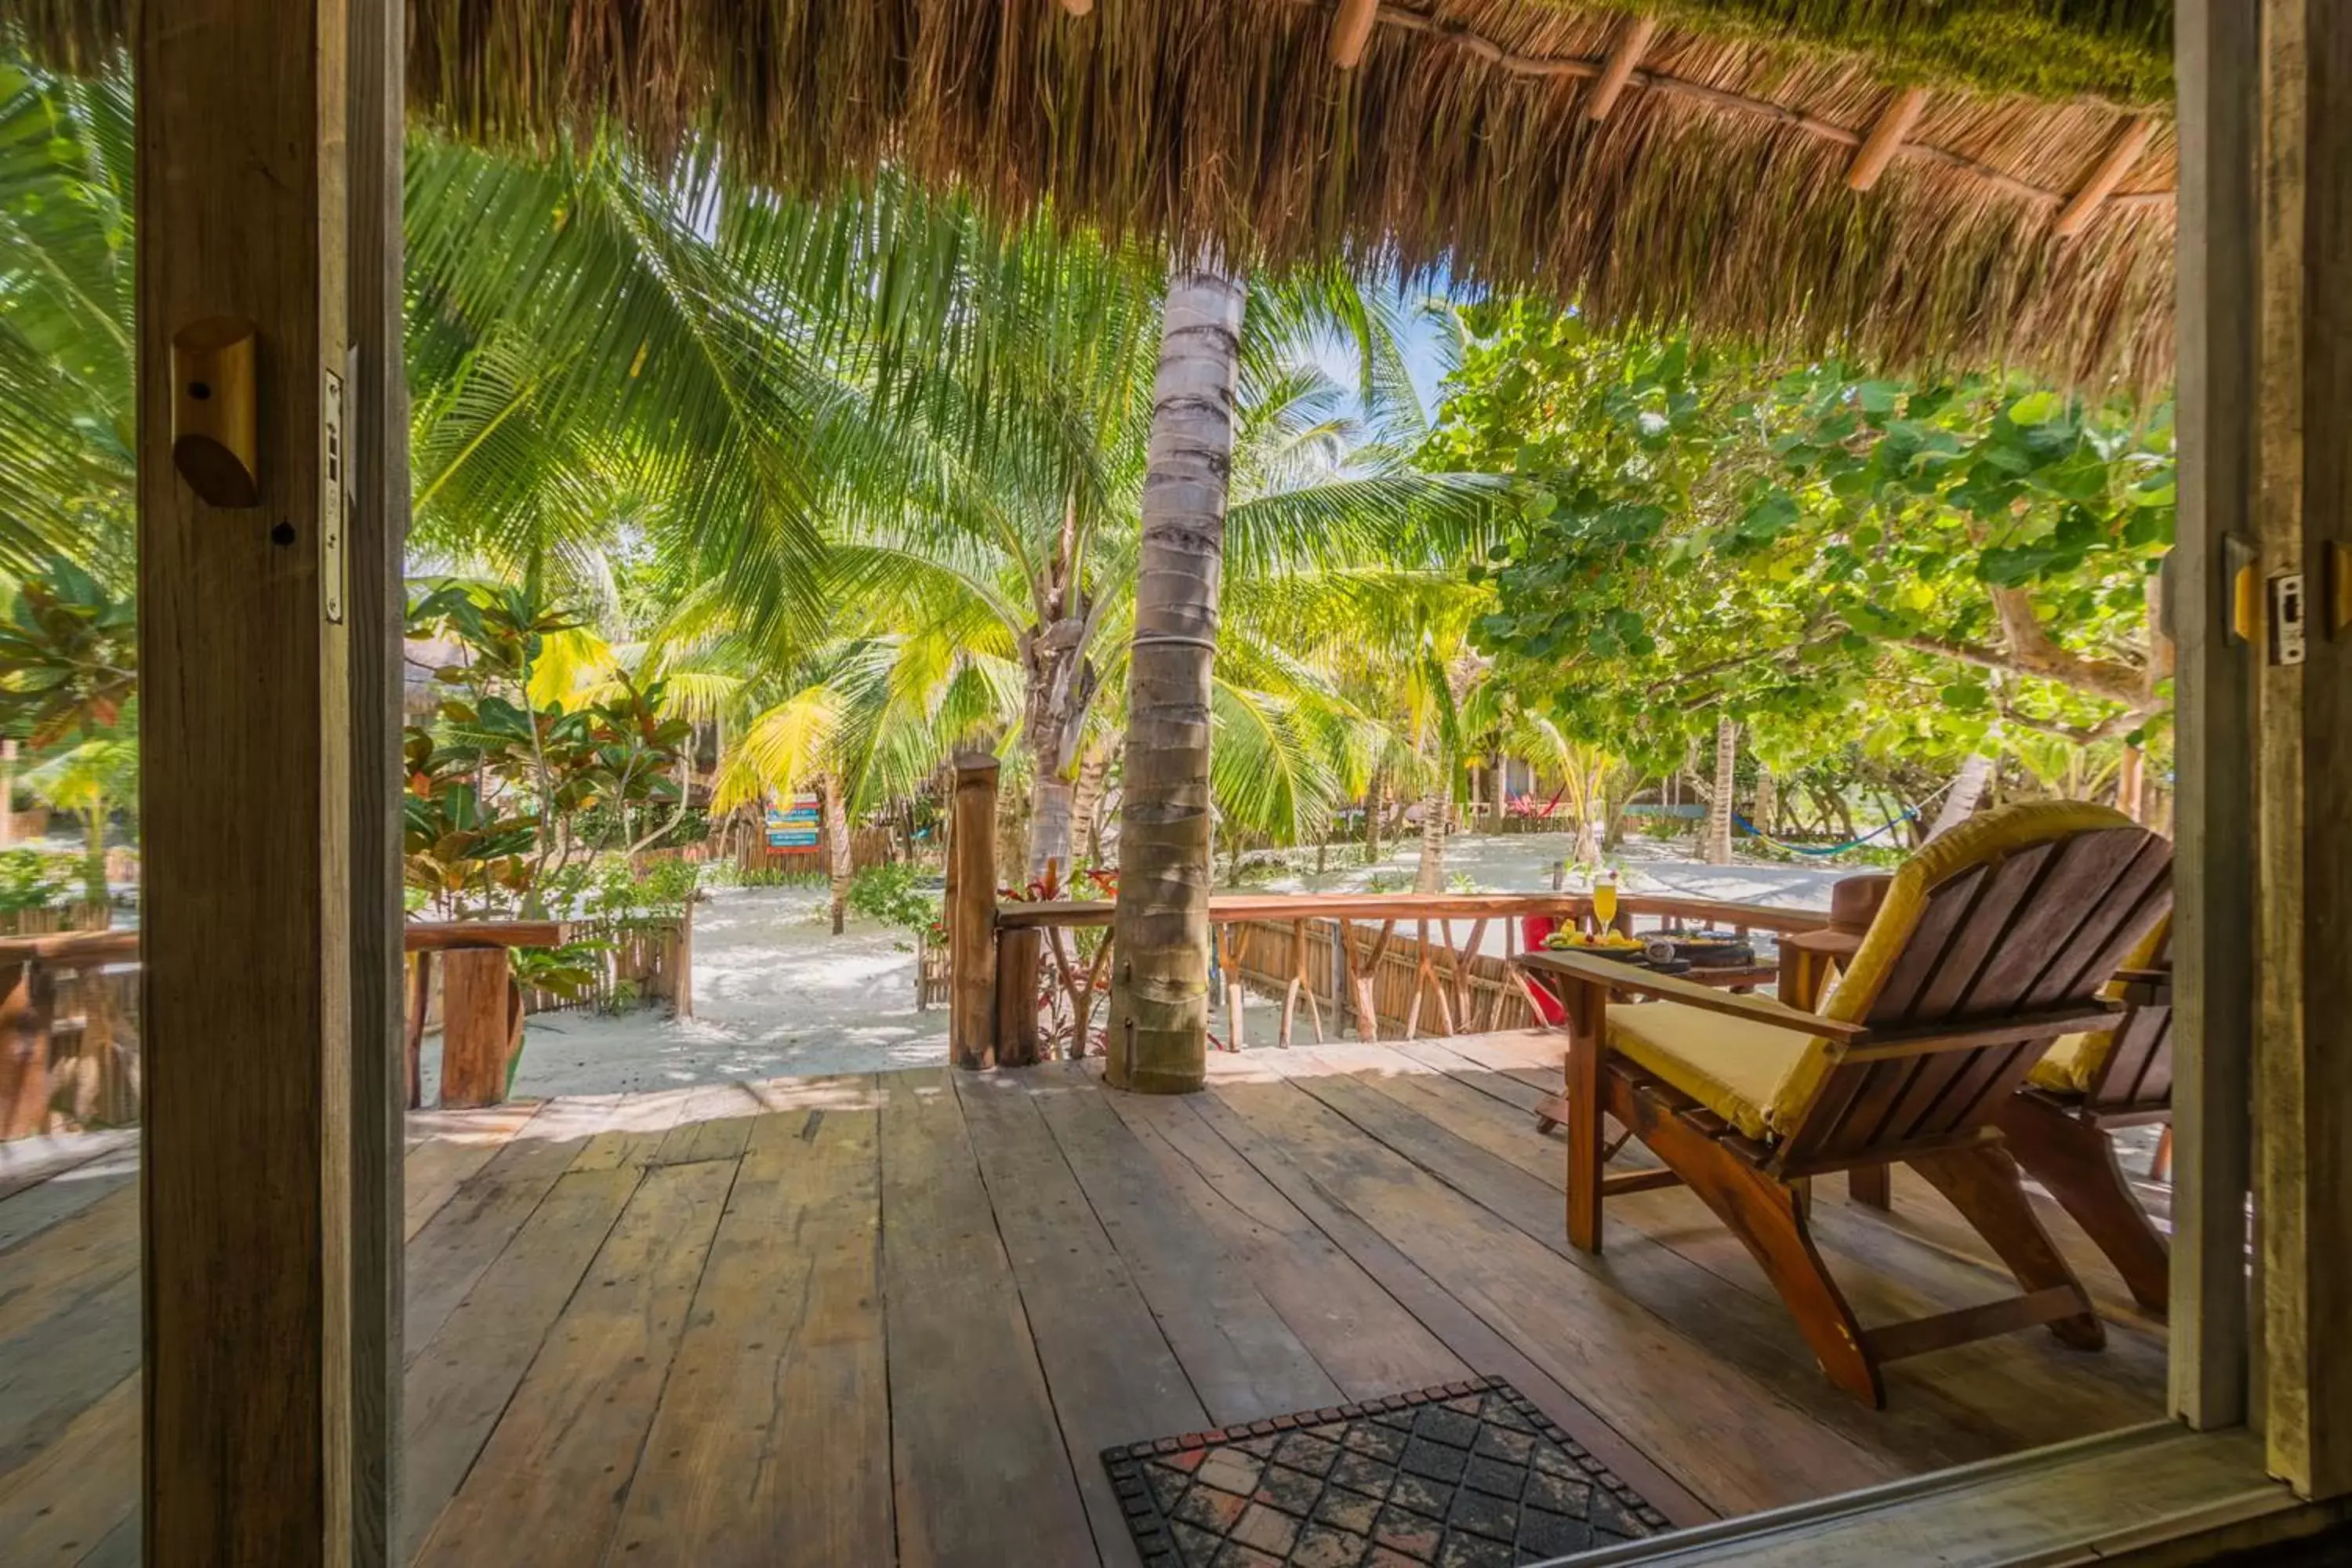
(2219, 50)
(1018, 958)
(252, 1220)
(420, 1003)
(376, 599)
(682, 1000)
(972, 916)
(25, 1019)
(476, 1028)
(2302, 489)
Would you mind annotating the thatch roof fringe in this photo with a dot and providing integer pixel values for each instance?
(1615, 72)
(1714, 193)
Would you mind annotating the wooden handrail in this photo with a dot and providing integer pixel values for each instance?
(1613, 975)
(1242, 908)
(70, 949)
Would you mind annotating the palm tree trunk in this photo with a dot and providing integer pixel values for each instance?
(93, 871)
(1501, 782)
(1768, 801)
(1051, 817)
(1967, 788)
(1158, 1023)
(1718, 809)
(1094, 773)
(836, 845)
(1372, 820)
(1430, 876)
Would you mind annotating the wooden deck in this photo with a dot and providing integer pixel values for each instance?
(866, 1320)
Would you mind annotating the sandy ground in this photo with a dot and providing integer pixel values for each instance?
(776, 994)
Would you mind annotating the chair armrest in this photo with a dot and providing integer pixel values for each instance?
(1625, 980)
(2146, 987)
(1828, 943)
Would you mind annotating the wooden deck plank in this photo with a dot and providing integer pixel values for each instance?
(1330, 1223)
(462, 1376)
(53, 1371)
(1968, 1403)
(1364, 1340)
(451, 1252)
(980, 1471)
(714, 1123)
(782, 1362)
(1736, 1444)
(1105, 1352)
(1522, 1066)
(1468, 1335)
(1243, 1359)
(551, 1481)
(54, 1509)
(26, 1162)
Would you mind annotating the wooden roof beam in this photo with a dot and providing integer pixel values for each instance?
(2114, 164)
(1351, 29)
(1885, 138)
(1624, 56)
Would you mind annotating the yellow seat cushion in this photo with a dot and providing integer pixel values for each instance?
(2071, 1063)
(1741, 1071)
(2074, 1062)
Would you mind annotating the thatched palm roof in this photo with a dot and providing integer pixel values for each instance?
(2025, 212)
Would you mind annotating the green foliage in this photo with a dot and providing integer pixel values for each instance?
(893, 894)
(1821, 555)
(69, 653)
(497, 789)
(2047, 48)
(30, 879)
(568, 972)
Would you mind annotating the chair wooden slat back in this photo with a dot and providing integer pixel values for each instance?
(2037, 931)
(2137, 1077)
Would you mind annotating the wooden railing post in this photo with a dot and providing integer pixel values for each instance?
(972, 915)
(1019, 956)
(476, 1032)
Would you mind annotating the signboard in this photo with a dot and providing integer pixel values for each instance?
(796, 826)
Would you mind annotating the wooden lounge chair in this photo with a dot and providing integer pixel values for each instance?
(1993, 942)
(2089, 1084)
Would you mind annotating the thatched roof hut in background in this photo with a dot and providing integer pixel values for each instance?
(1918, 180)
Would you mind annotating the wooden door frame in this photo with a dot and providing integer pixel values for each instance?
(2217, 49)
(270, 1175)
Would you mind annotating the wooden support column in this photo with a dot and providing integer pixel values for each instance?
(2218, 46)
(2303, 491)
(481, 1026)
(251, 1214)
(1019, 956)
(376, 596)
(972, 915)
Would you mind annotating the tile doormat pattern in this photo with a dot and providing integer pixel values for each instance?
(1466, 1476)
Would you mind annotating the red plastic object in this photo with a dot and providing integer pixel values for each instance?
(1533, 928)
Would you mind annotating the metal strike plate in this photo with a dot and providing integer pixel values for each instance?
(330, 495)
(2288, 622)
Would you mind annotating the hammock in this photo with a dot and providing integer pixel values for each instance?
(1755, 832)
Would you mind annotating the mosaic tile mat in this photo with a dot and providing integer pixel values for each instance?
(1470, 1475)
